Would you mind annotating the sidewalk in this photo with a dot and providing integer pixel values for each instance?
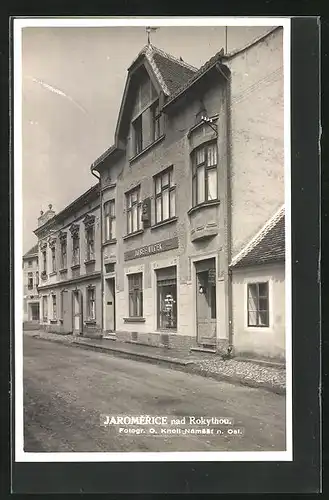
(204, 364)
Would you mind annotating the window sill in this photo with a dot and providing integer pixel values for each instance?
(53, 273)
(90, 261)
(64, 270)
(203, 205)
(131, 235)
(75, 266)
(137, 319)
(90, 322)
(53, 321)
(110, 242)
(150, 146)
(164, 222)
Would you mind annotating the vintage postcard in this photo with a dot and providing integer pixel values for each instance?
(152, 239)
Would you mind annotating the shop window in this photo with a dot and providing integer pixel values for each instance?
(135, 287)
(165, 196)
(109, 219)
(204, 175)
(167, 299)
(258, 304)
(91, 303)
(134, 211)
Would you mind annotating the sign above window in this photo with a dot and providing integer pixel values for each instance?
(162, 246)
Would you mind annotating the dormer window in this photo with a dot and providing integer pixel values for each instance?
(138, 134)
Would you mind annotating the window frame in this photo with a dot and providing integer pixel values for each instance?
(156, 117)
(44, 261)
(53, 260)
(258, 325)
(76, 250)
(138, 134)
(110, 216)
(90, 248)
(204, 165)
(171, 189)
(135, 291)
(44, 302)
(91, 299)
(54, 306)
(30, 284)
(129, 209)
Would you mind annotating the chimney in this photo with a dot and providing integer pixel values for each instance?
(46, 216)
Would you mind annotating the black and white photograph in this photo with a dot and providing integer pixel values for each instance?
(152, 239)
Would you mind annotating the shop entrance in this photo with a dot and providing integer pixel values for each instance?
(109, 319)
(206, 302)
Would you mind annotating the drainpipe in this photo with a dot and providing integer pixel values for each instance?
(228, 208)
(101, 246)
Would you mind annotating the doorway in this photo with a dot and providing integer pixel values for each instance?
(109, 322)
(66, 312)
(77, 312)
(206, 304)
(34, 312)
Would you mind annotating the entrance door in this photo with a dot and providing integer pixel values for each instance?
(110, 305)
(77, 312)
(206, 302)
(67, 312)
(35, 312)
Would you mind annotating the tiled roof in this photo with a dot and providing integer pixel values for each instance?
(196, 75)
(171, 72)
(32, 251)
(267, 246)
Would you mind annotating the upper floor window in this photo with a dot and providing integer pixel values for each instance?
(138, 135)
(44, 261)
(53, 259)
(147, 127)
(165, 194)
(29, 263)
(30, 281)
(155, 120)
(109, 218)
(75, 250)
(63, 254)
(90, 243)
(37, 278)
(134, 211)
(54, 307)
(258, 304)
(204, 175)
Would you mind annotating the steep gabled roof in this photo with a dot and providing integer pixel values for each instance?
(268, 246)
(32, 252)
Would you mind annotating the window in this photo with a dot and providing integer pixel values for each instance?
(90, 241)
(54, 306)
(45, 308)
(258, 304)
(155, 109)
(37, 278)
(138, 134)
(167, 298)
(44, 261)
(135, 286)
(91, 310)
(109, 217)
(165, 201)
(204, 176)
(30, 281)
(134, 211)
(53, 259)
(29, 263)
(75, 250)
(63, 254)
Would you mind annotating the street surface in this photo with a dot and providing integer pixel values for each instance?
(67, 390)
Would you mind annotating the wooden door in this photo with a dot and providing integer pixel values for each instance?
(206, 304)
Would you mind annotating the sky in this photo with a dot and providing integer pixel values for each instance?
(72, 84)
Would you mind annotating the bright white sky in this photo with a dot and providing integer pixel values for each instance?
(73, 80)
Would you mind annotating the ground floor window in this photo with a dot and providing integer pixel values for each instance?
(167, 298)
(258, 304)
(135, 286)
(54, 306)
(45, 309)
(91, 303)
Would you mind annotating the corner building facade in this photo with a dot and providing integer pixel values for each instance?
(196, 170)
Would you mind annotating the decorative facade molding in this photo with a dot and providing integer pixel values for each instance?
(74, 230)
(62, 236)
(89, 221)
(52, 242)
(43, 245)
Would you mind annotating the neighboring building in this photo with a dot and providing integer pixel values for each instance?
(31, 310)
(69, 262)
(196, 170)
(258, 292)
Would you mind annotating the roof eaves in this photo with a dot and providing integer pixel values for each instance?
(258, 237)
(103, 156)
